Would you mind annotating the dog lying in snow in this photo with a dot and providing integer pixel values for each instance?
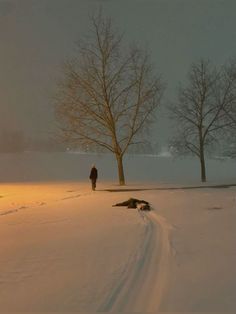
(135, 203)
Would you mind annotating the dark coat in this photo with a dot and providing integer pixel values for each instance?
(93, 174)
(133, 203)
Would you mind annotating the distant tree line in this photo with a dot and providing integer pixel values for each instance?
(15, 141)
(12, 141)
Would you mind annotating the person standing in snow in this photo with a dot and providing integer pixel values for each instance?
(93, 177)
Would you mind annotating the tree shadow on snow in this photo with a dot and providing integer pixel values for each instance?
(219, 186)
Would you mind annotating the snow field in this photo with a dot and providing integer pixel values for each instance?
(65, 248)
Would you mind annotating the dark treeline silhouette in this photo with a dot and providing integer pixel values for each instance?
(15, 141)
(12, 141)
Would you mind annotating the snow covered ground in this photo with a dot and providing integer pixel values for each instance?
(65, 248)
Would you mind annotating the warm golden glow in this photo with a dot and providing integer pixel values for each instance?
(18, 196)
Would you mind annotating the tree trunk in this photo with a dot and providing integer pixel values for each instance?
(119, 159)
(203, 165)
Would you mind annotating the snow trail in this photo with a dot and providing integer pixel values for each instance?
(165, 260)
(144, 283)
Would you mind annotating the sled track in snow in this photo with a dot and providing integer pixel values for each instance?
(144, 282)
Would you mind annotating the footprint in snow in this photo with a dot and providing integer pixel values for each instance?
(69, 197)
(11, 211)
(214, 208)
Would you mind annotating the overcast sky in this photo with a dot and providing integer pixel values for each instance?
(37, 35)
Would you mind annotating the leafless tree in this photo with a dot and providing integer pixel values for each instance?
(230, 108)
(200, 111)
(108, 95)
(229, 135)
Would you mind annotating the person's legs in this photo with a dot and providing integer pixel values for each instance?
(130, 203)
(93, 185)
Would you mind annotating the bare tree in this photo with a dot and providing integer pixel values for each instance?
(108, 94)
(229, 135)
(230, 108)
(200, 110)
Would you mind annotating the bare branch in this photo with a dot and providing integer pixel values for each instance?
(108, 93)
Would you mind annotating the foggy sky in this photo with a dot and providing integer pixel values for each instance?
(37, 35)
